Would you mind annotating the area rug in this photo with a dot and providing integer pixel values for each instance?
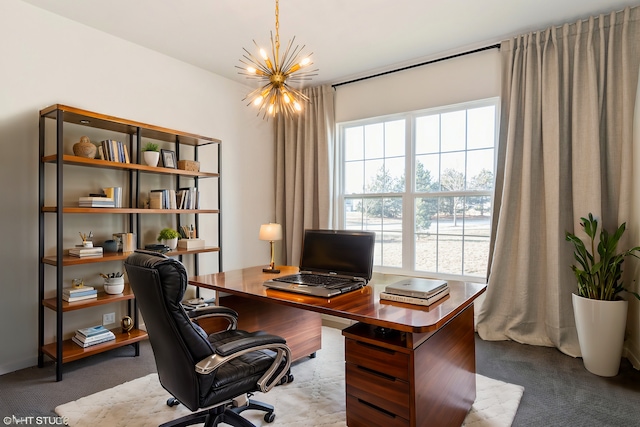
(315, 398)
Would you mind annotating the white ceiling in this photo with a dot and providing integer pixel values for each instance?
(348, 38)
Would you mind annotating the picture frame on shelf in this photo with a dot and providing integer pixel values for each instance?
(169, 159)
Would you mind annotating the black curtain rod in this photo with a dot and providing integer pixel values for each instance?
(493, 46)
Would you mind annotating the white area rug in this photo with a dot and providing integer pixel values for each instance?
(315, 398)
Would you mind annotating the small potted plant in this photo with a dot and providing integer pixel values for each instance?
(169, 237)
(151, 154)
(600, 313)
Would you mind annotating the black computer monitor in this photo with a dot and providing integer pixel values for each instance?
(344, 252)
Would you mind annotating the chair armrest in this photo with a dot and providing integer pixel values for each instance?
(215, 311)
(249, 343)
(232, 350)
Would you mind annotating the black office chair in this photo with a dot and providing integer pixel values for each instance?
(212, 374)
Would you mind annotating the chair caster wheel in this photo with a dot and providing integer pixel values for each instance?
(269, 417)
(172, 401)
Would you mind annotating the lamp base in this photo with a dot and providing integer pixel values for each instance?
(270, 270)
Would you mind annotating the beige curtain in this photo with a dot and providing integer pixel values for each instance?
(304, 159)
(565, 150)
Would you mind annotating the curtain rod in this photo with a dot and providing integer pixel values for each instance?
(493, 46)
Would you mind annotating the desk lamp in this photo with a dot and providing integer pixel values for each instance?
(271, 232)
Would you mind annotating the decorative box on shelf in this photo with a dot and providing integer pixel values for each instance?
(189, 165)
(191, 243)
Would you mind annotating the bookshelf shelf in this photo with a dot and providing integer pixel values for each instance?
(107, 257)
(102, 298)
(60, 126)
(71, 351)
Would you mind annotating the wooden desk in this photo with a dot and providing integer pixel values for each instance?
(405, 365)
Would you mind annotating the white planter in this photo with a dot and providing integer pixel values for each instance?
(172, 243)
(151, 158)
(601, 326)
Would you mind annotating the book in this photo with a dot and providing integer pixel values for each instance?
(68, 298)
(79, 292)
(92, 330)
(416, 287)
(96, 202)
(413, 300)
(84, 252)
(85, 345)
(93, 338)
(73, 291)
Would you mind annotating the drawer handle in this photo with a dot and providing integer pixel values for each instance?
(376, 373)
(377, 408)
(375, 347)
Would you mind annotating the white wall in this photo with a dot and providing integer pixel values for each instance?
(46, 60)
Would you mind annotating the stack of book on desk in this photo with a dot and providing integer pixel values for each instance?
(416, 291)
(83, 252)
(91, 336)
(79, 294)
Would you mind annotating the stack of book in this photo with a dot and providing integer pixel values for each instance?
(113, 151)
(83, 252)
(94, 335)
(96, 202)
(416, 291)
(79, 294)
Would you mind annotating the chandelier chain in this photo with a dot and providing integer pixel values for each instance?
(277, 27)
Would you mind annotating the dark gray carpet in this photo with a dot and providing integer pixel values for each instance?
(558, 390)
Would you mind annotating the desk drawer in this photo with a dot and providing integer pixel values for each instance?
(386, 361)
(363, 414)
(387, 393)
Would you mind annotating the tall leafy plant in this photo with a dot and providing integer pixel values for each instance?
(599, 277)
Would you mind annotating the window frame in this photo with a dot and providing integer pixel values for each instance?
(410, 195)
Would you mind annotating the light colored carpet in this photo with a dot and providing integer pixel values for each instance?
(315, 398)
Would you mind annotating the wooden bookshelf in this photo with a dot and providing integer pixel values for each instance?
(52, 146)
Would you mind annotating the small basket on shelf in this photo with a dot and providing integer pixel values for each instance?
(189, 165)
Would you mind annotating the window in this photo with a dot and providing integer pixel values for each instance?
(423, 181)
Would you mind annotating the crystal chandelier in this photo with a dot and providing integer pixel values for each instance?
(276, 95)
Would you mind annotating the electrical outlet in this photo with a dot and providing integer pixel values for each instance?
(108, 318)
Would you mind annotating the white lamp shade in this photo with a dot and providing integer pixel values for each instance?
(271, 232)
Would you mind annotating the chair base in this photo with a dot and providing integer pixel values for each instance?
(224, 414)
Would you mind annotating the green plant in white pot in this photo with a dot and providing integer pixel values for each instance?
(600, 313)
(169, 237)
(151, 154)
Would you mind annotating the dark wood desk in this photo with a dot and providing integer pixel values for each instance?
(405, 365)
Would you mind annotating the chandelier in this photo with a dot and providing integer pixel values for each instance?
(276, 95)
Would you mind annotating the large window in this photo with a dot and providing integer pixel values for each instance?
(423, 181)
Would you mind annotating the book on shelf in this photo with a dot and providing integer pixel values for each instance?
(97, 337)
(115, 194)
(96, 251)
(415, 300)
(188, 198)
(113, 151)
(91, 343)
(162, 199)
(96, 202)
(73, 298)
(92, 330)
(80, 290)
